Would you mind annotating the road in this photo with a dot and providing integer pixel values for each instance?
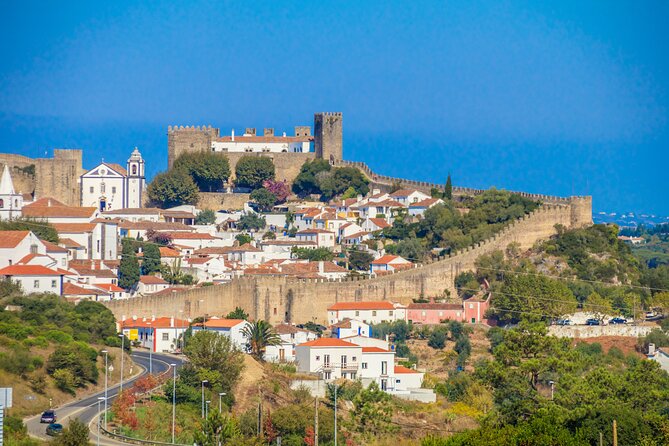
(86, 409)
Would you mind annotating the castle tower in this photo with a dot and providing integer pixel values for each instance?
(11, 203)
(328, 136)
(135, 180)
(182, 139)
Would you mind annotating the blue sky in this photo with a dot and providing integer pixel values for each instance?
(568, 97)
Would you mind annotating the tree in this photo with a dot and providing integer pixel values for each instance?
(338, 180)
(305, 183)
(598, 305)
(372, 409)
(42, 229)
(359, 260)
(243, 239)
(237, 313)
(217, 430)
(260, 335)
(173, 188)
(75, 434)
(160, 238)
(313, 254)
(660, 302)
(264, 199)
(206, 217)
(278, 188)
(151, 259)
(212, 352)
(349, 193)
(448, 189)
(437, 339)
(251, 222)
(128, 269)
(208, 170)
(252, 171)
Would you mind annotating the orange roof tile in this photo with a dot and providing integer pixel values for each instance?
(191, 236)
(168, 252)
(73, 227)
(388, 258)
(424, 203)
(109, 287)
(52, 247)
(399, 369)
(57, 211)
(159, 322)
(328, 342)
(28, 270)
(380, 222)
(222, 323)
(74, 290)
(374, 350)
(370, 305)
(69, 243)
(11, 239)
(152, 280)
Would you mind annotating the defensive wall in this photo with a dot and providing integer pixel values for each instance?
(56, 177)
(278, 298)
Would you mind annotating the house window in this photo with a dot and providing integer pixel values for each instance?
(373, 313)
(364, 365)
(353, 375)
(33, 249)
(2, 203)
(92, 189)
(36, 284)
(16, 203)
(354, 358)
(327, 375)
(318, 358)
(423, 313)
(274, 311)
(98, 245)
(166, 336)
(343, 375)
(357, 313)
(398, 381)
(384, 384)
(390, 313)
(113, 190)
(102, 188)
(134, 169)
(54, 284)
(441, 313)
(384, 367)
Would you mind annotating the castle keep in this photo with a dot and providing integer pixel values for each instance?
(288, 153)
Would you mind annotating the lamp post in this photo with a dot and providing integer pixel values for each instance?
(552, 384)
(122, 336)
(335, 415)
(151, 348)
(174, 399)
(203, 382)
(106, 371)
(220, 401)
(206, 409)
(98, 415)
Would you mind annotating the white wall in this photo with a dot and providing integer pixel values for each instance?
(9, 256)
(40, 284)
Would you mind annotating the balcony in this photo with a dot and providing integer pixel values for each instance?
(347, 366)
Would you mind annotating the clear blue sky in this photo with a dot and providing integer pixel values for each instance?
(564, 98)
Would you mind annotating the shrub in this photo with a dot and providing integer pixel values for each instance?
(437, 339)
(65, 380)
(38, 383)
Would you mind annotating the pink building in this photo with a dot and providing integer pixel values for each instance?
(433, 313)
(475, 309)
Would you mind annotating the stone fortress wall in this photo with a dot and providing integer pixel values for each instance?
(277, 298)
(56, 177)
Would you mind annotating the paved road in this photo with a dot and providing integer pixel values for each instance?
(86, 409)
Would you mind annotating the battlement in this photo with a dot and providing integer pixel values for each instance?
(335, 114)
(191, 128)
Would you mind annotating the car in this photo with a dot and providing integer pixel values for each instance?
(48, 416)
(618, 320)
(564, 322)
(54, 429)
(593, 321)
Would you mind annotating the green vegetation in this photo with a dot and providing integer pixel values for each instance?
(40, 228)
(444, 227)
(173, 188)
(206, 217)
(75, 434)
(251, 222)
(318, 177)
(151, 258)
(313, 254)
(237, 313)
(259, 335)
(306, 182)
(264, 199)
(209, 170)
(243, 239)
(252, 171)
(359, 260)
(128, 269)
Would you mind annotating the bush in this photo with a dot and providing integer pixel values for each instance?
(76, 358)
(38, 383)
(437, 339)
(59, 337)
(252, 171)
(65, 380)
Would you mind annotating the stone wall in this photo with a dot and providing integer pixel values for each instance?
(280, 298)
(219, 200)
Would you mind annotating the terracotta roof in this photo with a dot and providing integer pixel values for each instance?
(328, 342)
(69, 243)
(311, 267)
(198, 260)
(33, 210)
(52, 247)
(287, 329)
(11, 239)
(388, 258)
(434, 306)
(374, 350)
(424, 203)
(370, 305)
(286, 243)
(152, 280)
(46, 201)
(72, 289)
(221, 323)
(109, 287)
(246, 247)
(133, 211)
(28, 270)
(117, 168)
(400, 369)
(68, 228)
(213, 250)
(356, 235)
(28, 257)
(159, 322)
(344, 323)
(260, 271)
(386, 203)
(191, 236)
(315, 231)
(240, 139)
(168, 252)
(155, 225)
(178, 214)
(380, 222)
(98, 273)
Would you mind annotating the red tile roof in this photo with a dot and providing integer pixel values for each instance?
(221, 323)
(328, 342)
(36, 211)
(400, 369)
(380, 222)
(168, 252)
(69, 243)
(434, 306)
(71, 289)
(152, 280)
(374, 350)
(52, 247)
(403, 192)
(134, 211)
(11, 239)
(424, 203)
(159, 322)
(73, 227)
(109, 287)
(191, 236)
(315, 231)
(28, 270)
(370, 305)
(386, 259)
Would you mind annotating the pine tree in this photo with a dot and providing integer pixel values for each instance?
(448, 189)
(129, 267)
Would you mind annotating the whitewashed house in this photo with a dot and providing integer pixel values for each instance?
(15, 245)
(371, 312)
(232, 328)
(291, 336)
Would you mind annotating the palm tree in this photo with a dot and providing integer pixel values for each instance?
(259, 335)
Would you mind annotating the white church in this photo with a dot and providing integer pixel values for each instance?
(11, 202)
(109, 186)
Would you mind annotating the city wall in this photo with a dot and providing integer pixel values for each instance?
(221, 200)
(278, 298)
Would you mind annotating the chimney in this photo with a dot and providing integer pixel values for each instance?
(268, 132)
(153, 317)
(376, 191)
(358, 198)
(651, 349)
(250, 131)
(232, 134)
(172, 321)
(284, 134)
(321, 267)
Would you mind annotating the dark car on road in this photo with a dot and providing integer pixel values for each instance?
(564, 322)
(618, 320)
(54, 429)
(48, 416)
(593, 322)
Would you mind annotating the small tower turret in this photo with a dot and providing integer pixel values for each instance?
(135, 180)
(11, 203)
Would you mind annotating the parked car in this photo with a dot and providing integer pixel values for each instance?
(48, 416)
(618, 320)
(564, 322)
(593, 321)
(54, 429)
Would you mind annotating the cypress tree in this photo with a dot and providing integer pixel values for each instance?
(448, 189)
(151, 262)
(128, 270)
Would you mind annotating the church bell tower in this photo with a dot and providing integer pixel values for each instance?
(135, 180)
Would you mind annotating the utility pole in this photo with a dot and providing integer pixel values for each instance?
(601, 439)
(316, 421)
(335, 420)
(615, 433)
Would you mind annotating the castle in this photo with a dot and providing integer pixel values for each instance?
(288, 153)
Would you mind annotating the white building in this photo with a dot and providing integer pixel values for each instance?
(35, 278)
(331, 358)
(232, 328)
(389, 263)
(151, 284)
(378, 365)
(350, 327)
(267, 143)
(158, 334)
(15, 245)
(109, 186)
(291, 336)
(372, 312)
(322, 237)
(409, 196)
(11, 203)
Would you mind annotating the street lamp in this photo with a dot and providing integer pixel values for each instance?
(220, 401)
(203, 383)
(98, 416)
(174, 399)
(151, 348)
(106, 370)
(122, 336)
(206, 409)
(552, 384)
(335, 415)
